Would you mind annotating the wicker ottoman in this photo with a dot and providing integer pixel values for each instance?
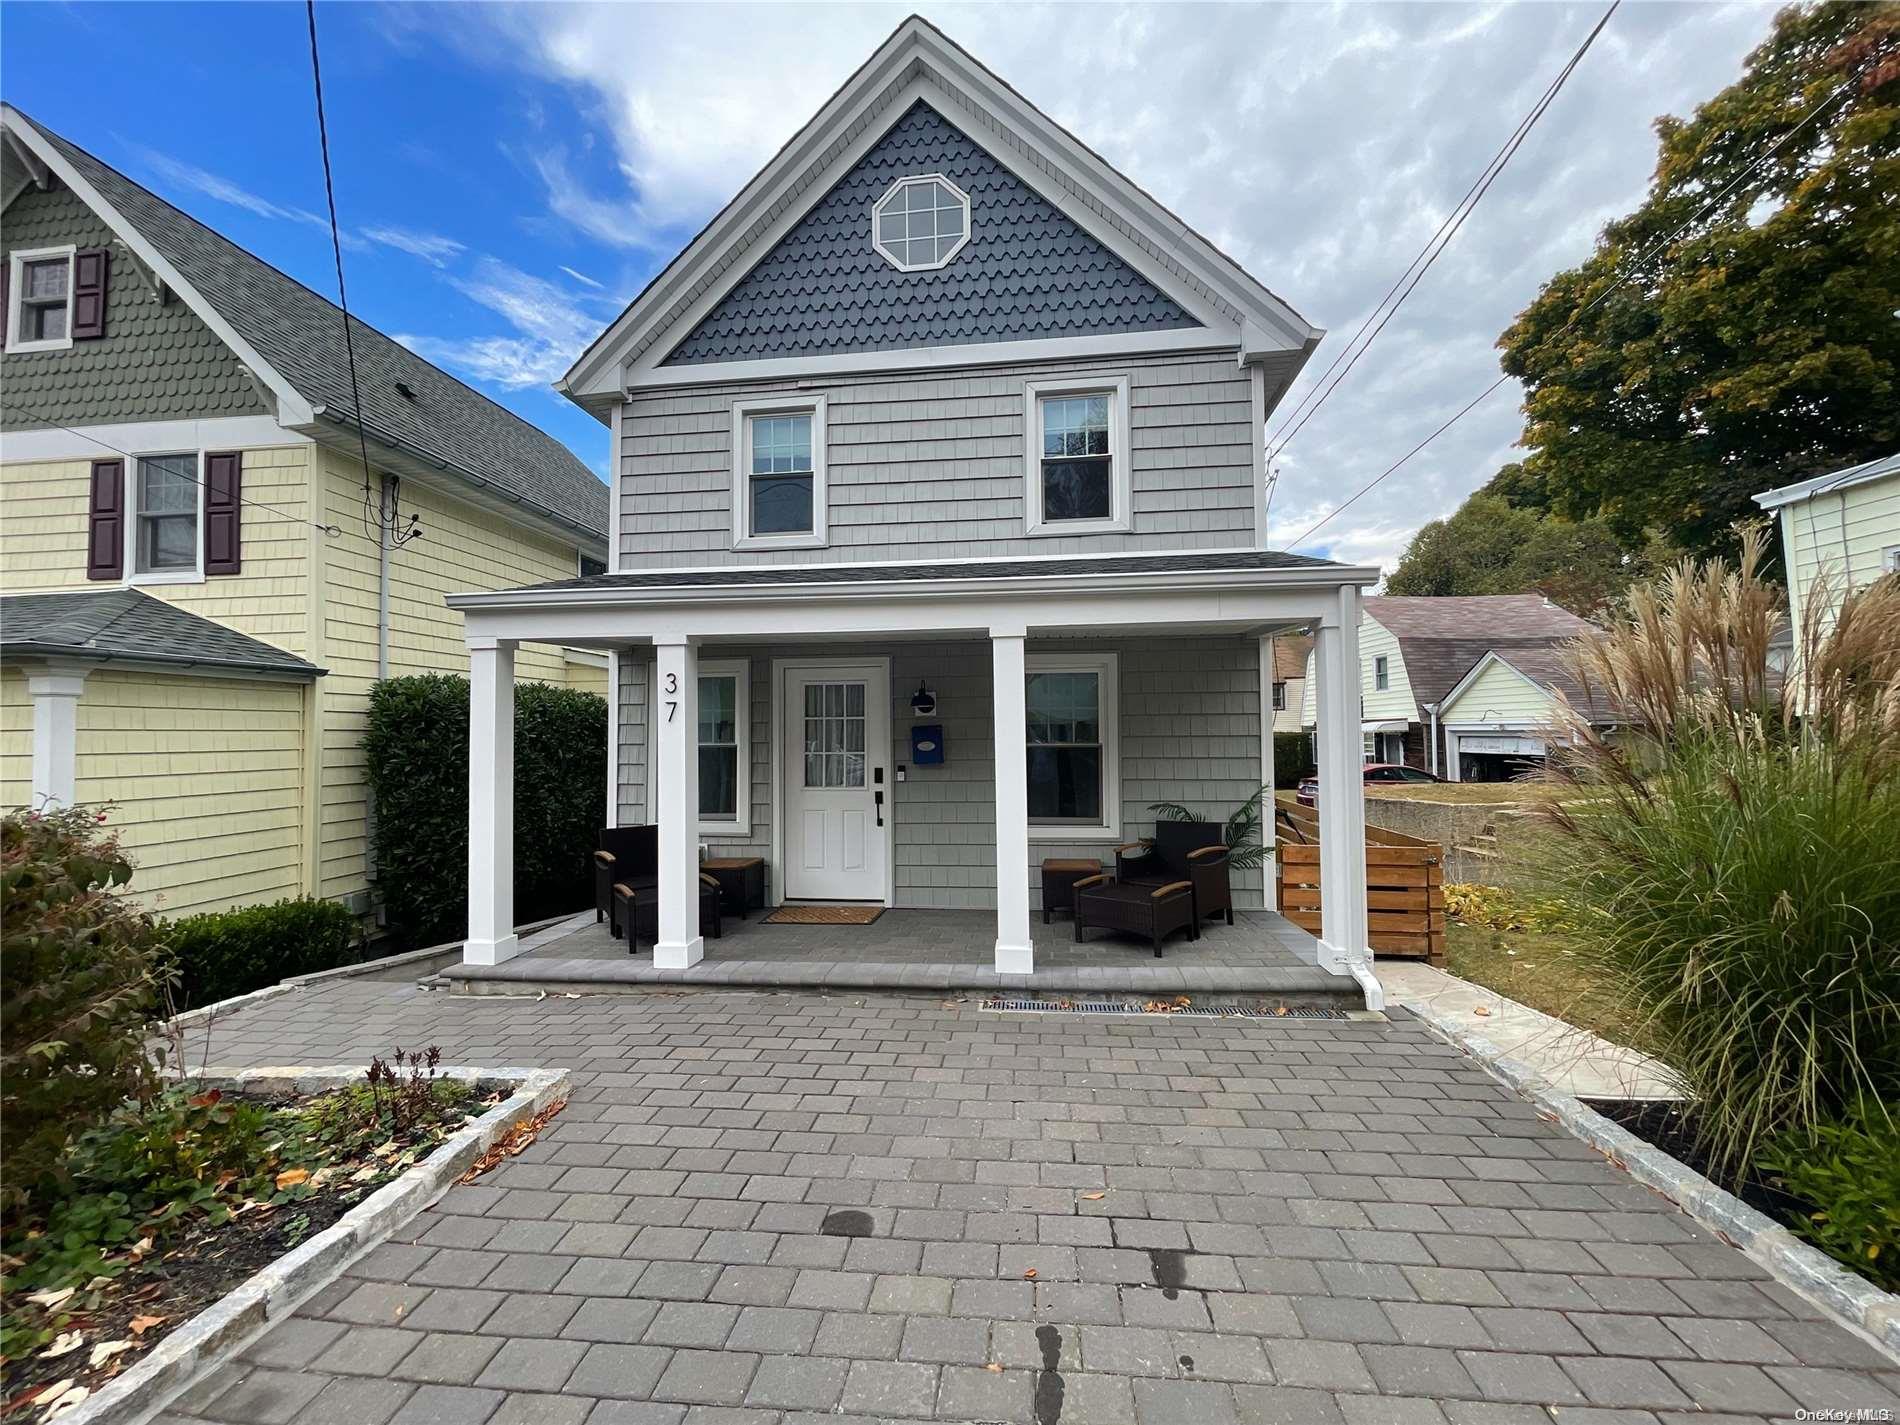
(1156, 912)
(1058, 883)
(637, 909)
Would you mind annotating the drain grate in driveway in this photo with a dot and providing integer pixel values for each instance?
(1163, 1008)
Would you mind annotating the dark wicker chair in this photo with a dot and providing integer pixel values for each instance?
(1154, 911)
(637, 910)
(629, 854)
(1188, 851)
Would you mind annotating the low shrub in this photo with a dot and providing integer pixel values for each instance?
(1847, 1172)
(82, 975)
(1292, 758)
(417, 752)
(232, 952)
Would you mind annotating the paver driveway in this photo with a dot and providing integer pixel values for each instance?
(1139, 1221)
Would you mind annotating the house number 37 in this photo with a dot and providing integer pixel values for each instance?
(672, 689)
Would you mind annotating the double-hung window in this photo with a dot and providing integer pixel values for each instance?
(40, 313)
(165, 516)
(724, 770)
(1381, 673)
(778, 473)
(1077, 471)
(1279, 695)
(1073, 752)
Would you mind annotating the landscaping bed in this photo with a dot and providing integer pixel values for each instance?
(176, 1201)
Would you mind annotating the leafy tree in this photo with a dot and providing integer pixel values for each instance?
(1758, 348)
(1490, 546)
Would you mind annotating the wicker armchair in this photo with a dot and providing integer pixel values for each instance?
(629, 855)
(1188, 851)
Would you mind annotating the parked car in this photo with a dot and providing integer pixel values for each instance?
(1376, 772)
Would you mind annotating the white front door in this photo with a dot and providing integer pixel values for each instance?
(837, 782)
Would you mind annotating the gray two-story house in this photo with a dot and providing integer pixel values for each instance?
(937, 540)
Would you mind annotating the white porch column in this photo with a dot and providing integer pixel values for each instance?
(1344, 947)
(491, 803)
(55, 690)
(1015, 951)
(675, 720)
(1269, 832)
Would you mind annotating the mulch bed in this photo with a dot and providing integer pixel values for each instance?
(1671, 1127)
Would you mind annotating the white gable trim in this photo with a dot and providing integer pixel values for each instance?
(1838, 480)
(292, 408)
(919, 63)
(1472, 674)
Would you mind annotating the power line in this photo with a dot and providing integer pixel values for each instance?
(333, 531)
(1434, 247)
(387, 514)
(1634, 268)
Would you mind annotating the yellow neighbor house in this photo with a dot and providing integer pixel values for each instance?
(1845, 525)
(202, 579)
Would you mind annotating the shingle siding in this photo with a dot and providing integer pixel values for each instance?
(157, 361)
(1027, 271)
(931, 465)
(1190, 732)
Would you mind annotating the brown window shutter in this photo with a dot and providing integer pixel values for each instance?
(105, 533)
(223, 511)
(91, 266)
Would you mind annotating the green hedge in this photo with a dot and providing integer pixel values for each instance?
(1292, 758)
(232, 952)
(417, 749)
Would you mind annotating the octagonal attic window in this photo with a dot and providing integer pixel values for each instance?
(921, 223)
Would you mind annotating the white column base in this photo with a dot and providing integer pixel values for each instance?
(1335, 960)
(490, 952)
(1015, 959)
(673, 955)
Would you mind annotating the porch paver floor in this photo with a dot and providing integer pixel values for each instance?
(1262, 953)
(1092, 1220)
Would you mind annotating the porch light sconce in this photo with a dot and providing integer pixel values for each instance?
(923, 702)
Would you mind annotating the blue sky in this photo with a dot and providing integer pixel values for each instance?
(509, 175)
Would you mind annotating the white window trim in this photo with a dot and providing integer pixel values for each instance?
(1121, 481)
(1278, 694)
(742, 412)
(739, 828)
(132, 576)
(16, 297)
(1107, 667)
(1890, 559)
(1382, 674)
(911, 181)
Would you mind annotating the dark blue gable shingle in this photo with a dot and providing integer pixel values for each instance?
(1027, 272)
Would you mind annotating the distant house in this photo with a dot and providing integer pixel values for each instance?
(1462, 687)
(1846, 524)
(196, 596)
(1290, 652)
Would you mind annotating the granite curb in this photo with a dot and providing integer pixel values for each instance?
(1846, 1296)
(223, 1329)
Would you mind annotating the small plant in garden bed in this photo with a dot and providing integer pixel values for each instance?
(174, 1201)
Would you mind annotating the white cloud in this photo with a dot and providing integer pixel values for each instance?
(223, 190)
(432, 248)
(1320, 145)
(550, 328)
(582, 278)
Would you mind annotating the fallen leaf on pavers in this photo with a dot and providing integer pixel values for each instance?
(291, 1177)
(1093, 1196)
(512, 1143)
(1280, 1010)
(63, 1344)
(1029, 1274)
(46, 1395)
(71, 1399)
(106, 1350)
(992, 1366)
(1484, 1009)
(139, 1325)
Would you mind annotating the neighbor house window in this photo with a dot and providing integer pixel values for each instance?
(165, 515)
(1381, 673)
(1279, 696)
(1073, 755)
(590, 567)
(724, 746)
(1890, 560)
(40, 315)
(920, 223)
(778, 481)
(1077, 467)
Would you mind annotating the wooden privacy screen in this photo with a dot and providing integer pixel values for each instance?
(1405, 886)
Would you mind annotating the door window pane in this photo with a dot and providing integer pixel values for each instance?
(834, 735)
(167, 513)
(781, 473)
(719, 748)
(1065, 747)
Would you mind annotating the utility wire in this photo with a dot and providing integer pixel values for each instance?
(10, 403)
(386, 531)
(1633, 270)
(1434, 247)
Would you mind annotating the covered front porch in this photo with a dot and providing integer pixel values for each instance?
(819, 662)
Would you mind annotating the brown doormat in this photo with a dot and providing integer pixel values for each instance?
(824, 915)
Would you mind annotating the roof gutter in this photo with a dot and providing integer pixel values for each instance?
(36, 649)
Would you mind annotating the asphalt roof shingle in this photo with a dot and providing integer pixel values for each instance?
(1442, 639)
(300, 333)
(108, 624)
